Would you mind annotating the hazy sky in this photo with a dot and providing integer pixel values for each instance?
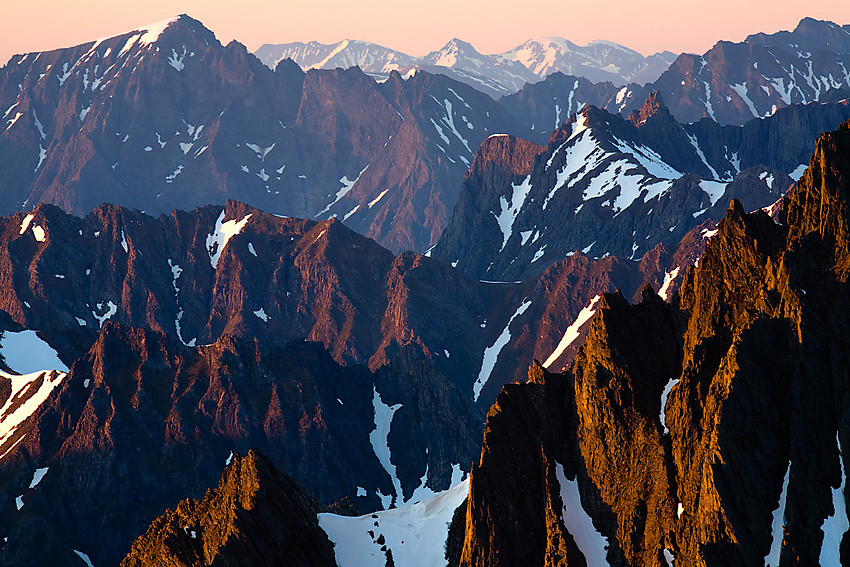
(420, 26)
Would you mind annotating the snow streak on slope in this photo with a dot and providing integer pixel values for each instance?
(28, 393)
(380, 445)
(669, 278)
(592, 544)
(415, 535)
(347, 185)
(491, 354)
(572, 332)
(778, 525)
(664, 395)
(835, 526)
(508, 211)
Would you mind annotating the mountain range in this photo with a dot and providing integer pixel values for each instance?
(496, 75)
(132, 120)
(242, 306)
(700, 431)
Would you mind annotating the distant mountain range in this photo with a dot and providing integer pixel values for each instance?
(497, 75)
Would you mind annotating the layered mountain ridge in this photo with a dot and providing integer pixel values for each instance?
(698, 432)
(158, 121)
(496, 74)
(167, 118)
(161, 347)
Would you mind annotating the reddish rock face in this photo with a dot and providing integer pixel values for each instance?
(682, 423)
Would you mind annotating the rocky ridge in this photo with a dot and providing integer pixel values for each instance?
(731, 84)
(701, 430)
(603, 185)
(255, 516)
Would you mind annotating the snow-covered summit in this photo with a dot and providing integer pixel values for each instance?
(496, 74)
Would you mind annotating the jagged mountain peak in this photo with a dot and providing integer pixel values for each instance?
(734, 82)
(653, 106)
(145, 37)
(722, 412)
(253, 498)
(821, 202)
(453, 53)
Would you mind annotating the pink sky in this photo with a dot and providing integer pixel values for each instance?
(420, 26)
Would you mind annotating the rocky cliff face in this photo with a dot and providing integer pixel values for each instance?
(287, 310)
(710, 429)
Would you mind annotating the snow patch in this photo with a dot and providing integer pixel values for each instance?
(34, 388)
(26, 223)
(669, 278)
(176, 59)
(798, 172)
(11, 122)
(664, 395)
(42, 153)
(378, 439)
(39, 233)
(25, 353)
(261, 151)
(84, 557)
(509, 211)
(592, 544)
(491, 353)
(111, 309)
(38, 475)
(415, 534)
(260, 313)
(153, 31)
(835, 526)
(374, 201)
(714, 190)
(224, 231)
(776, 530)
(347, 185)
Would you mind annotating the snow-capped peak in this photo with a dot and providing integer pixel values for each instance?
(153, 31)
